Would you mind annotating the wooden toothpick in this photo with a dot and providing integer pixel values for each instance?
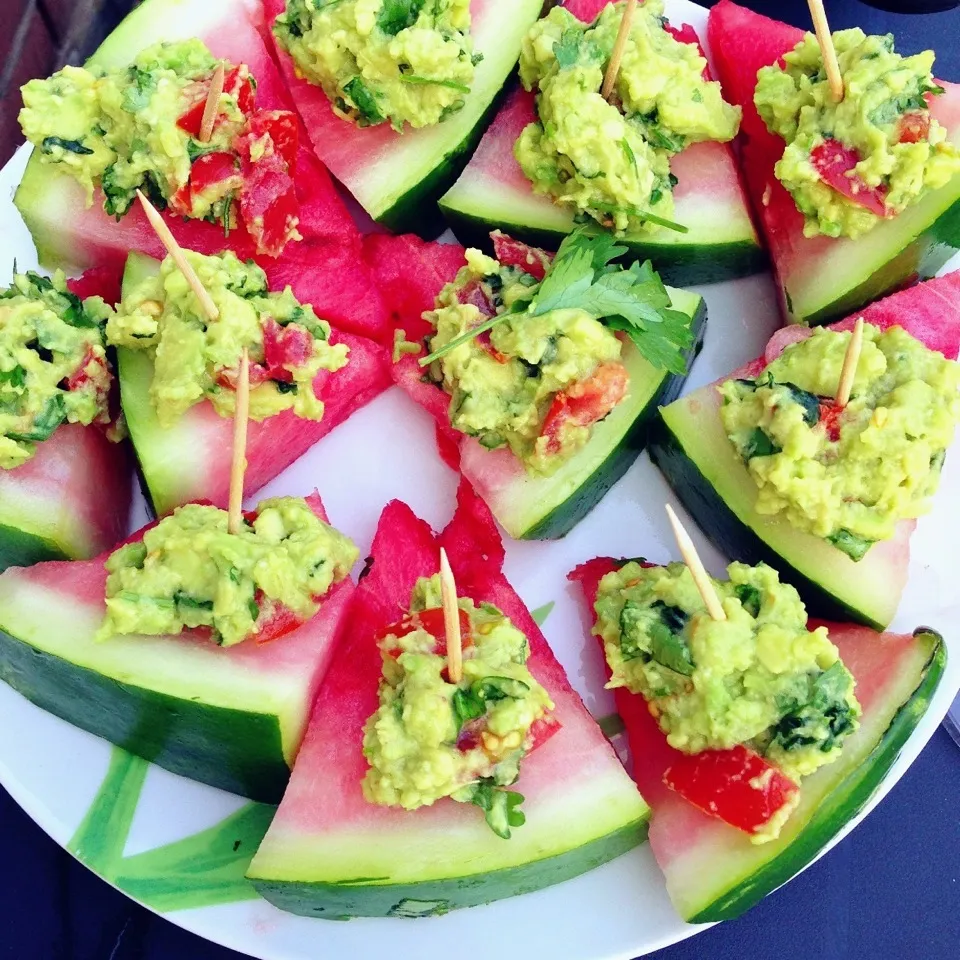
(827, 49)
(451, 619)
(613, 67)
(212, 107)
(173, 248)
(692, 559)
(238, 467)
(850, 360)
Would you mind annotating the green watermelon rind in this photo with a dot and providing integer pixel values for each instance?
(19, 547)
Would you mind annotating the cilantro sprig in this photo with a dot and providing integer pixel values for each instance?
(630, 299)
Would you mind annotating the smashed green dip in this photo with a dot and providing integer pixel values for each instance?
(848, 475)
(431, 738)
(188, 572)
(383, 61)
(197, 359)
(53, 363)
(758, 678)
(611, 160)
(900, 150)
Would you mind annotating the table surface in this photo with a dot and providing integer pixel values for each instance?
(890, 891)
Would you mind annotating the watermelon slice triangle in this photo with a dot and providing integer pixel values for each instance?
(331, 854)
(713, 871)
(821, 279)
(232, 717)
(690, 447)
(71, 235)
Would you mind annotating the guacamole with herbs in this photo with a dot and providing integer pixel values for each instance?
(534, 384)
(847, 474)
(431, 738)
(197, 359)
(53, 363)
(848, 165)
(759, 678)
(188, 572)
(383, 61)
(610, 160)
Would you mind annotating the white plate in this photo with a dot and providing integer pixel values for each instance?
(70, 781)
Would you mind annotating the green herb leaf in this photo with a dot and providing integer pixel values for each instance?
(397, 15)
(49, 144)
(139, 90)
(451, 84)
(849, 543)
(750, 598)
(759, 445)
(499, 806)
(364, 100)
(467, 706)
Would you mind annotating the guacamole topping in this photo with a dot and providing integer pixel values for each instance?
(53, 363)
(431, 738)
(383, 61)
(846, 474)
(759, 678)
(198, 359)
(189, 573)
(850, 164)
(137, 128)
(611, 160)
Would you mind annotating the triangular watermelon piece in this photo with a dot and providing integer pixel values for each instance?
(232, 717)
(820, 279)
(68, 234)
(713, 871)
(331, 854)
(191, 460)
(493, 193)
(692, 450)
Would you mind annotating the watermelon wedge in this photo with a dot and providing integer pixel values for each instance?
(397, 177)
(493, 192)
(528, 507)
(713, 871)
(692, 450)
(331, 854)
(820, 279)
(68, 234)
(232, 717)
(191, 460)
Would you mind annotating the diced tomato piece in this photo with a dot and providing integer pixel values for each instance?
(585, 402)
(279, 126)
(285, 347)
(513, 253)
(80, 377)
(914, 127)
(432, 621)
(236, 83)
(737, 786)
(474, 293)
(268, 204)
(212, 168)
(542, 730)
(279, 620)
(833, 161)
(830, 413)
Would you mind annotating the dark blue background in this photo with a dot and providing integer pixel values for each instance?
(891, 891)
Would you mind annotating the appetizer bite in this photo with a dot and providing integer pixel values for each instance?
(178, 374)
(543, 373)
(858, 194)
(757, 737)
(370, 824)
(649, 160)
(64, 483)
(162, 645)
(202, 126)
(395, 95)
(774, 468)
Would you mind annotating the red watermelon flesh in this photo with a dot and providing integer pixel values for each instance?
(90, 237)
(98, 282)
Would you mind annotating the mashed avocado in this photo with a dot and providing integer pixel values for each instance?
(396, 61)
(535, 383)
(611, 160)
(848, 475)
(900, 151)
(188, 572)
(431, 738)
(197, 359)
(758, 678)
(53, 363)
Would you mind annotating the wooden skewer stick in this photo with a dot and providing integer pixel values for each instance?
(451, 619)
(613, 67)
(827, 49)
(212, 107)
(173, 248)
(850, 360)
(238, 466)
(692, 559)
